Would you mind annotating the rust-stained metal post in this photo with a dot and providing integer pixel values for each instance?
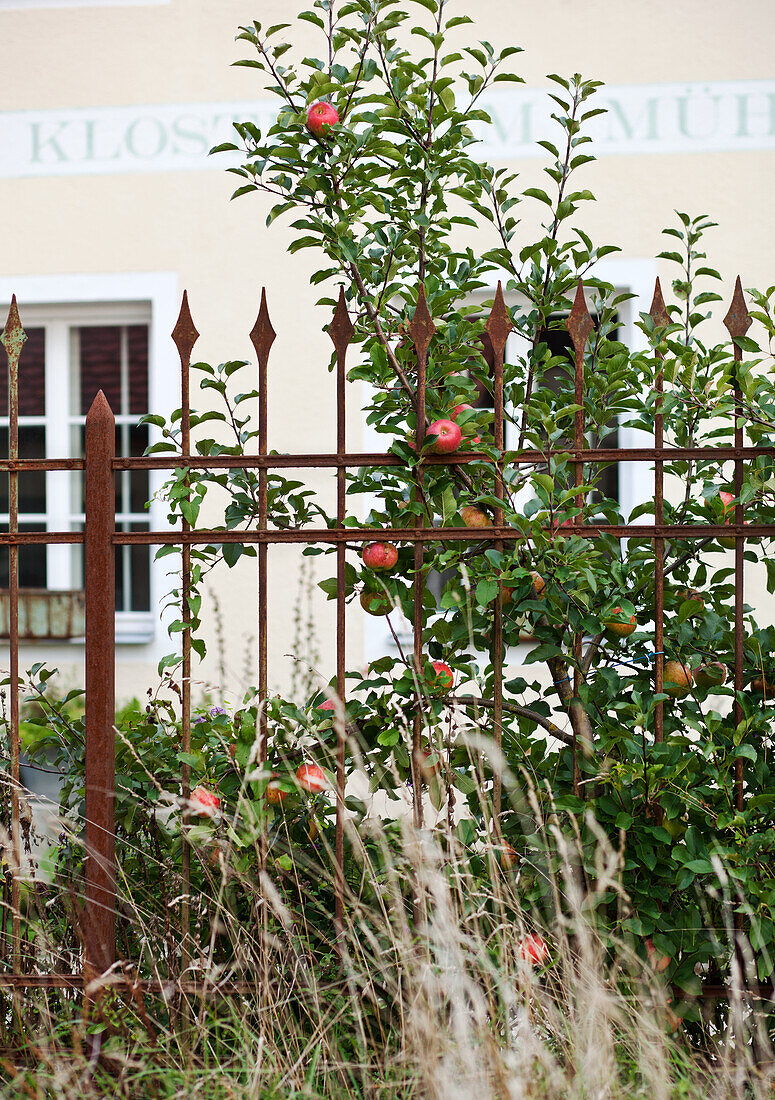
(661, 318)
(341, 332)
(579, 325)
(99, 559)
(737, 322)
(185, 336)
(262, 336)
(13, 339)
(498, 327)
(421, 330)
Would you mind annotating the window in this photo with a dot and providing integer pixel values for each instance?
(74, 349)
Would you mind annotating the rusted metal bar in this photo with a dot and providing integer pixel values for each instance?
(341, 333)
(421, 330)
(185, 336)
(411, 534)
(262, 336)
(737, 322)
(172, 989)
(498, 327)
(100, 657)
(327, 460)
(579, 325)
(661, 318)
(13, 339)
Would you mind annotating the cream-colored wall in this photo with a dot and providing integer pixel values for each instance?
(181, 52)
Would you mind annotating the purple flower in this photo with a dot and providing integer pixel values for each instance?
(199, 718)
(215, 711)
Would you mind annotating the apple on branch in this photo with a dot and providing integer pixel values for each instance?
(321, 115)
(312, 778)
(458, 409)
(274, 793)
(475, 517)
(448, 436)
(508, 856)
(618, 625)
(533, 949)
(677, 679)
(203, 802)
(380, 556)
(441, 679)
(375, 603)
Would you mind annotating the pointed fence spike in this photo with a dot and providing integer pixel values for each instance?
(341, 328)
(100, 408)
(184, 333)
(421, 327)
(13, 336)
(498, 324)
(579, 323)
(262, 335)
(658, 311)
(738, 319)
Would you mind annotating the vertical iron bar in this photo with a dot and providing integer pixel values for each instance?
(185, 336)
(661, 318)
(498, 327)
(421, 329)
(100, 657)
(262, 337)
(579, 325)
(340, 331)
(13, 339)
(737, 322)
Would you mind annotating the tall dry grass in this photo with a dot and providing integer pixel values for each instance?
(426, 994)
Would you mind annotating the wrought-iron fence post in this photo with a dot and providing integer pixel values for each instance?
(100, 522)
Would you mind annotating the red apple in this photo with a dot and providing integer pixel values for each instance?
(381, 556)
(726, 500)
(448, 435)
(618, 625)
(539, 584)
(443, 678)
(328, 705)
(319, 115)
(274, 792)
(657, 962)
(677, 679)
(203, 802)
(311, 778)
(475, 517)
(454, 415)
(508, 856)
(533, 949)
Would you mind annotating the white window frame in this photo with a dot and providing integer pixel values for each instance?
(636, 480)
(59, 302)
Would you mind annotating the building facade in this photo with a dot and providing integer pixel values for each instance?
(112, 206)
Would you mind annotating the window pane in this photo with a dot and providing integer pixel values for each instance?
(137, 341)
(32, 562)
(139, 490)
(32, 361)
(100, 365)
(140, 562)
(32, 485)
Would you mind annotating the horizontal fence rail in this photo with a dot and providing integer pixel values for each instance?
(100, 538)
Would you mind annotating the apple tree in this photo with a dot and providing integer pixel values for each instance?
(372, 159)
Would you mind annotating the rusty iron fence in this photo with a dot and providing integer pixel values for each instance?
(100, 540)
